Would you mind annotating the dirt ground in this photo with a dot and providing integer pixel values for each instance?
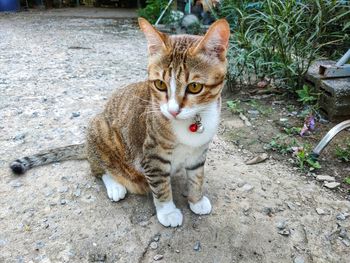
(55, 74)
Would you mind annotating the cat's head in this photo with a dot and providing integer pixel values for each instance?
(186, 72)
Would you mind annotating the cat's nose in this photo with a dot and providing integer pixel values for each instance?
(174, 112)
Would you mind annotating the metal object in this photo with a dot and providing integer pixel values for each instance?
(163, 12)
(328, 137)
(340, 69)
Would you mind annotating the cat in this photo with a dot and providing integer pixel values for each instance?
(153, 129)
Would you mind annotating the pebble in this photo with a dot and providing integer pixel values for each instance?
(332, 185)
(63, 202)
(19, 137)
(320, 211)
(77, 192)
(156, 237)
(63, 189)
(39, 245)
(158, 257)
(16, 184)
(322, 178)
(343, 233)
(283, 119)
(284, 232)
(268, 211)
(197, 246)
(299, 259)
(281, 224)
(154, 245)
(342, 216)
(253, 112)
(177, 251)
(346, 242)
(75, 114)
(247, 187)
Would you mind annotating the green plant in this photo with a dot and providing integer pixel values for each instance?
(153, 10)
(343, 153)
(264, 110)
(347, 180)
(303, 157)
(306, 96)
(279, 39)
(285, 145)
(234, 106)
(292, 130)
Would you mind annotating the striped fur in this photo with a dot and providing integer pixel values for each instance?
(137, 142)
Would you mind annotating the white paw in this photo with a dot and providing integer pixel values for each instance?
(115, 190)
(202, 207)
(169, 215)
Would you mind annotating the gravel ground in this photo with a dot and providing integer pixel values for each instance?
(55, 74)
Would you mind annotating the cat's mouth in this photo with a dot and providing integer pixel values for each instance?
(182, 114)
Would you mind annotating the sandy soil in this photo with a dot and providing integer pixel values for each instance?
(54, 68)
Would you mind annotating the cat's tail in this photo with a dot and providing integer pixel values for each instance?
(71, 152)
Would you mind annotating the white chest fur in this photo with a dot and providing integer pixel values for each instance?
(210, 118)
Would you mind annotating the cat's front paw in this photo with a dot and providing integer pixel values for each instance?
(115, 190)
(169, 215)
(202, 207)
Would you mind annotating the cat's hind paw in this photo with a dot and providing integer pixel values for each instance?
(169, 215)
(115, 190)
(202, 207)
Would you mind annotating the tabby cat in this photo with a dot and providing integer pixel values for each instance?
(153, 129)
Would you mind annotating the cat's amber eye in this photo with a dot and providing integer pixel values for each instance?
(160, 85)
(194, 87)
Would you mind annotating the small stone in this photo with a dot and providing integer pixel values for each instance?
(197, 246)
(63, 202)
(49, 193)
(299, 259)
(77, 192)
(327, 178)
(343, 233)
(346, 242)
(158, 257)
(144, 223)
(39, 245)
(75, 114)
(253, 112)
(154, 245)
(281, 224)
(177, 251)
(332, 185)
(283, 119)
(156, 237)
(320, 211)
(247, 187)
(63, 189)
(19, 137)
(16, 184)
(268, 211)
(2, 242)
(284, 232)
(258, 159)
(341, 216)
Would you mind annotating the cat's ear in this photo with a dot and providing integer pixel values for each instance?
(156, 40)
(215, 41)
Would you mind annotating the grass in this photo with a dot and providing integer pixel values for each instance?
(279, 39)
(343, 153)
(287, 145)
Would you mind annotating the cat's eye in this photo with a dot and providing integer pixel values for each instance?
(160, 85)
(194, 88)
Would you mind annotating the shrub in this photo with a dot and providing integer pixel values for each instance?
(279, 39)
(153, 10)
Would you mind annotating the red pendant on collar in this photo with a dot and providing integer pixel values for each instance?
(193, 127)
